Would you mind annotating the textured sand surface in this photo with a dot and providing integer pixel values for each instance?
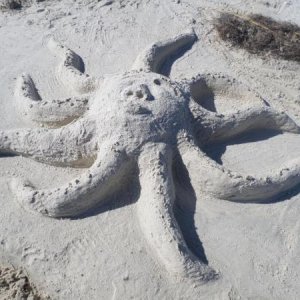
(104, 255)
(14, 284)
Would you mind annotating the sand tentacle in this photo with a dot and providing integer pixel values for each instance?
(153, 57)
(225, 184)
(71, 69)
(51, 112)
(212, 128)
(155, 211)
(76, 197)
(72, 145)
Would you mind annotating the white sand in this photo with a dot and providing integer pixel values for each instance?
(254, 247)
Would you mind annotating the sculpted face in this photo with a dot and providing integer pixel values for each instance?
(144, 106)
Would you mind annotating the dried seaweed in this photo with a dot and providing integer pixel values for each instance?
(260, 35)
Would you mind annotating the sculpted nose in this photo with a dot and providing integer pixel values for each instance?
(144, 93)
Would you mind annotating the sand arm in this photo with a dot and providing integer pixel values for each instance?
(72, 145)
(222, 183)
(153, 57)
(76, 197)
(51, 112)
(211, 128)
(155, 211)
(71, 69)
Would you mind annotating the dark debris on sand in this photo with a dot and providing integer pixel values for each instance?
(260, 35)
(16, 4)
(14, 284)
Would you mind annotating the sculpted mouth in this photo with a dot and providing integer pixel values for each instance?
(140, 110)
(137, 109)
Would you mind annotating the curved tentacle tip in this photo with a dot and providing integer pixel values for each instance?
(294, 127)
(25, 195)
(192, 34)
(25, 87)
(71, 69)
(153, 56)
(187, 38)
(289, 124)
(61, 50)
(201, 273)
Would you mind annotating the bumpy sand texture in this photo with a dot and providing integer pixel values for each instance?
(106, 253)
(141, 120)
(14, 284)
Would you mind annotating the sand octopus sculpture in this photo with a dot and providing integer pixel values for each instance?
(140, 120)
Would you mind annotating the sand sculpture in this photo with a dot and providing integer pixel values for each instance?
(139, 120)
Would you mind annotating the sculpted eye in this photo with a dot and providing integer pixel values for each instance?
(139, 94)
(129, 93)
(157, 81)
